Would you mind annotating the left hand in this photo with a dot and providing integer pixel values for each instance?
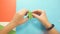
(19, 17)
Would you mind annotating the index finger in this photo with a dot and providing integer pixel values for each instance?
(38, 12)
(23, 12)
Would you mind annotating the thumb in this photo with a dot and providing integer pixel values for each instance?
(34, 15)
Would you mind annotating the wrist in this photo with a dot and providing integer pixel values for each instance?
(14, 22)
(46, 23)
(50, 28)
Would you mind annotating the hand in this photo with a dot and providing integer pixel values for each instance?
(19, 17)
(41, 15)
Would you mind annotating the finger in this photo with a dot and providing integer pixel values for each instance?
(41, 11)
(37, 12)
(34, 15)
(23, 12)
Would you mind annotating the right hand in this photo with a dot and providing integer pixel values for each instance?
(40, 14)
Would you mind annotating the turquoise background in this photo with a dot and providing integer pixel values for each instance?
(33, 26)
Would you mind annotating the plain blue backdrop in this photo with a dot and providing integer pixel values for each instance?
(33, 26)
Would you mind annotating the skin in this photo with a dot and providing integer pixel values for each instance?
(18, 19)
(41, 15)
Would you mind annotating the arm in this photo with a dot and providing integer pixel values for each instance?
(18, 19)
(48, 25)
(41, 15)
